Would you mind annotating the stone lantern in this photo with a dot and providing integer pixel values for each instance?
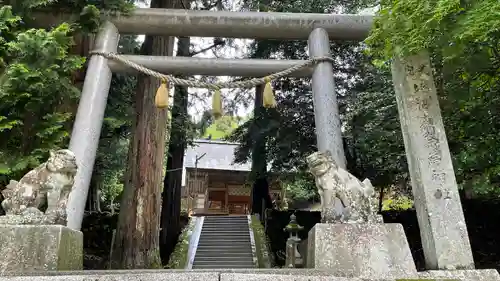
(293, 257)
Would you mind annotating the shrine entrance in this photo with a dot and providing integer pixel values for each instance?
(428, 155)
(219, 192)
(214, 184)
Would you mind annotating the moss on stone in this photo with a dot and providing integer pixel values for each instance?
(178, 259)
(261, 244)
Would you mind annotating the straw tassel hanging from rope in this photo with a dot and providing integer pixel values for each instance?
(161, 98)
(268, 100)
(217, 104)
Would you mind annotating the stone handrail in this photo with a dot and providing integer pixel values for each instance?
(193, 241)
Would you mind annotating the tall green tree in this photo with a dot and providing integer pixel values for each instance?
(137, 235)
(39, 85)
(466, 75)
(37, 71)
(181, 134)
(172, 182)
(463, 39)
(30, 90)
(290, 129)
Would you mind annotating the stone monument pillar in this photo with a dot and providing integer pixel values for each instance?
(440, 216)
(33, 235)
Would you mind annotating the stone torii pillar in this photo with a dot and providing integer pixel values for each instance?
(88, 122)
(326, 109)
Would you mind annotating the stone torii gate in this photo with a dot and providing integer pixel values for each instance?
(441, 220)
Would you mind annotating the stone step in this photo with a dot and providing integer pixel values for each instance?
(226, 224)
(241, 246)
(239, 219)
(226, 221)
(224, 243)
(234, 225)
(225, 256)
(225, 217)
(227, 250)
(219, 231)
(226, 247)
(222, 239)
(225, 264)
(207, 260)
(226, 240)
(228, 228)
(215, 256)
(225, 230)
(205, 253)
(223, 247)
(223, 259)
(216, 267)
(225, 237)
(219, 218)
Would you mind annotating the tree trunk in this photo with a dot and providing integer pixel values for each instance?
(260, 189)
(93, 197)
(171, 204)
(137, 235)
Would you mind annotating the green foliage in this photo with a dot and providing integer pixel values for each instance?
(301, 188)
(38, 96)
(221, 128)
(470, 106)
(400, 203)
(463, 39)
(409, 26)
(35, 81)
(75, 7)
(289, 129)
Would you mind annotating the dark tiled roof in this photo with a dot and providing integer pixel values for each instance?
(219, 155)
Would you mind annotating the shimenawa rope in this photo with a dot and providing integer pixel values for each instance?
(162, 95)
(215, 86)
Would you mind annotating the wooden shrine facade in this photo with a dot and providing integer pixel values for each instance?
(220, 192)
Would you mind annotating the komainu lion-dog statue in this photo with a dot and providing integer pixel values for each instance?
(40, 197)
(358, 198)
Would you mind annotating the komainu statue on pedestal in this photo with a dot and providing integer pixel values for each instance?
(40, 197)
(358, 198)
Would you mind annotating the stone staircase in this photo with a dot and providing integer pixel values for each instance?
(224, 243)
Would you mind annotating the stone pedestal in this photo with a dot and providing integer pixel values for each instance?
(360, 250)
(40, 248)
